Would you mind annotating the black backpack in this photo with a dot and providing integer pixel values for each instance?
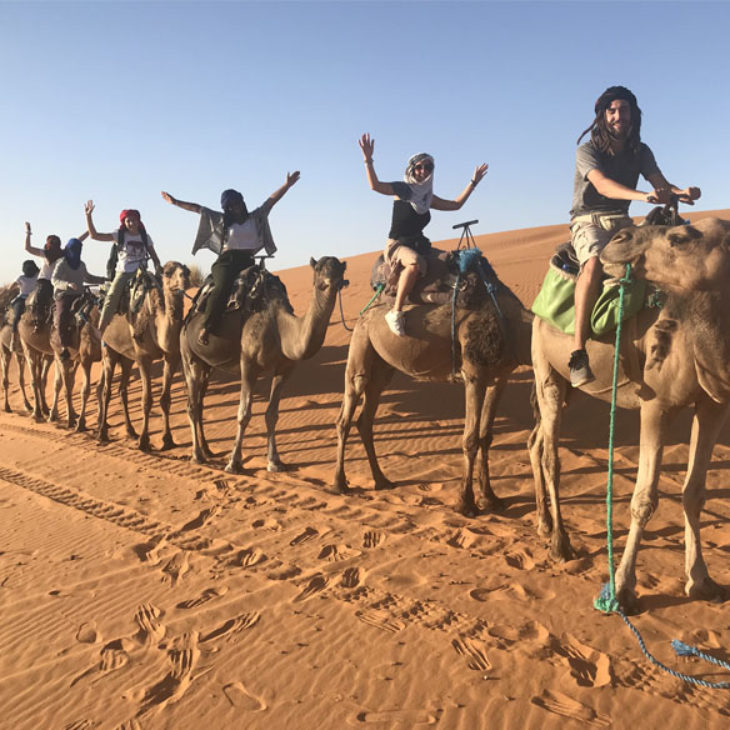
(111, 264)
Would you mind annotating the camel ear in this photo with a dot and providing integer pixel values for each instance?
(312, 262)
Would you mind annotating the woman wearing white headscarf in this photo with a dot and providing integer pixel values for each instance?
(414, 198)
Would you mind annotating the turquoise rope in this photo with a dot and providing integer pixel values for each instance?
(378, 292)
(607, 601)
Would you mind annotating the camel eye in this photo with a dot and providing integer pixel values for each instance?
(682, 237)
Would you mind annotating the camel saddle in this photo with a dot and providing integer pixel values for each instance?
(444, 274)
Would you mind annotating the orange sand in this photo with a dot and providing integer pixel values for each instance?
(142, 591)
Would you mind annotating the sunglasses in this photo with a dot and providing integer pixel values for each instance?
(427, 166)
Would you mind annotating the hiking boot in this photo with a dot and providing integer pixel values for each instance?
(580, 370)
(396, 322)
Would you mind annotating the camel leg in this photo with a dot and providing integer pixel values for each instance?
(145, 375)
(489, 501)
(35, 360)
(248, 379)
(708, 420)
(20, 359)
(545, 460)
(201, 419)
(5, 356)
(196, 374)
(44, 365)
(85, 389)
(380, 375)
(274, 463)
(474, 389)
(170, 366)
(104, 392)
(69, 376)
(126, 366)
(57, 384)
(654, 420)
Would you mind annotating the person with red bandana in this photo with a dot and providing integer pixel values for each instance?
(133, 248)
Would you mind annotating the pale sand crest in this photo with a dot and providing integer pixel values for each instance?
(142, 591)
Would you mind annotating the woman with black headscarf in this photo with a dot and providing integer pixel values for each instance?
(235, 235)
(68, 279)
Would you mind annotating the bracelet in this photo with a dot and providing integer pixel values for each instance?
(368, 162)
(29, 233)
(473, 182)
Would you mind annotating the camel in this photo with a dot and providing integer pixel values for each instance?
(153, 333)
(669, 359)
(6, 352)
(41, 343)
(490, 344)
(268, 338)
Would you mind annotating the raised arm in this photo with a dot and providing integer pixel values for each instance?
(277, 195)
(31, 249)
(440, 204)
(367, 145)
(192, 207)
(89, 209)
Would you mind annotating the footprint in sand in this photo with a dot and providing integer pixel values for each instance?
(113, 656)
(533, 632)
(474, 651)
(560, 704)
(333, 553)
(381, 619)
(149, 552)
(87, 633)
(315, 585)
(201, 519)
(308, 534)
(242, 699)
(129, 725)
(182, 656)
(283, 571)
(207, 595)
(372, 539)
(80, 725)
(510, 591)
(232, 626)
(269, 524)
(589, 667)
(175, 568)
(520, 559)
(350, 578)
(148, 619)
(248, 557)
(393, 718)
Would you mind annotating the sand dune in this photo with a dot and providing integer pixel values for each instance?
(144, 591)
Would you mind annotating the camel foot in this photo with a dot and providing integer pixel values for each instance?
(707, 590)
(560, 547)
(491, 505)
(52, 417)
(467, 507)
(28, 407)
(144, 444)
(628, 601)
(340, 489)
(198, 459)
(167, 442)
(81, 427)
(382, 484)
(132, 434)
(276, 466)
(102, 437)
(7, 408)
(233, 467)
(71, 423)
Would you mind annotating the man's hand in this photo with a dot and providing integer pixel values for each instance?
(292, 177)
(662, 196)
(89, 207)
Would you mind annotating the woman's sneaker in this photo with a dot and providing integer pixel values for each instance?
(395, 321)
(580, 370)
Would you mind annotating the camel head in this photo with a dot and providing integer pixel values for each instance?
(329, 273)
(680, 259)
(176, 276)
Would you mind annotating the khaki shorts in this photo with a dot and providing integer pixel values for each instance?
(396, 253)
(590, 233)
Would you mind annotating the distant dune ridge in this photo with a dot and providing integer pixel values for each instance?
(144, 591)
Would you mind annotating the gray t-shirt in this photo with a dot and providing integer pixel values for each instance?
(624, 168)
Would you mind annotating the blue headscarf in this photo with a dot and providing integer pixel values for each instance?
(72, 252)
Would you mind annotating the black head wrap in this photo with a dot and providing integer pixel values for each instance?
(600, 134)
(229, 198)
(30, 268)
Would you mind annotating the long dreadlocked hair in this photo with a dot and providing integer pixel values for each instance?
(600, 133)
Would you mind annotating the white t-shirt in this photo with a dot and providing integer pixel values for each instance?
(132, 253)
(47, 269)
(243, 236)
(26, 284)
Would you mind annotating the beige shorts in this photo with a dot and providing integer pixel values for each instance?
(396, 253)
(590, 233)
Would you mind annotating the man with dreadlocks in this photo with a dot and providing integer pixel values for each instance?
(606, 173)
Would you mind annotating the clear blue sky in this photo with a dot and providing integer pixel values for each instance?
(116, 101)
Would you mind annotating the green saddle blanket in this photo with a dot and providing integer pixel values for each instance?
(555, 302)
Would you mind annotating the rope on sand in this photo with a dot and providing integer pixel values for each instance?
(607, 601)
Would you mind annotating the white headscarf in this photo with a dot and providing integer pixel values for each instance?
(421, 192)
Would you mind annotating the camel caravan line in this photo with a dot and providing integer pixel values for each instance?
(462, 325)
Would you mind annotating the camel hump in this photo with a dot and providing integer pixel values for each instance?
(467, 270)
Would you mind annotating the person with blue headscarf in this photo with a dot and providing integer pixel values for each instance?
(236, 235)
(68, 279)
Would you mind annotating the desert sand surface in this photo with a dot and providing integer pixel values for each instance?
(140, 590)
